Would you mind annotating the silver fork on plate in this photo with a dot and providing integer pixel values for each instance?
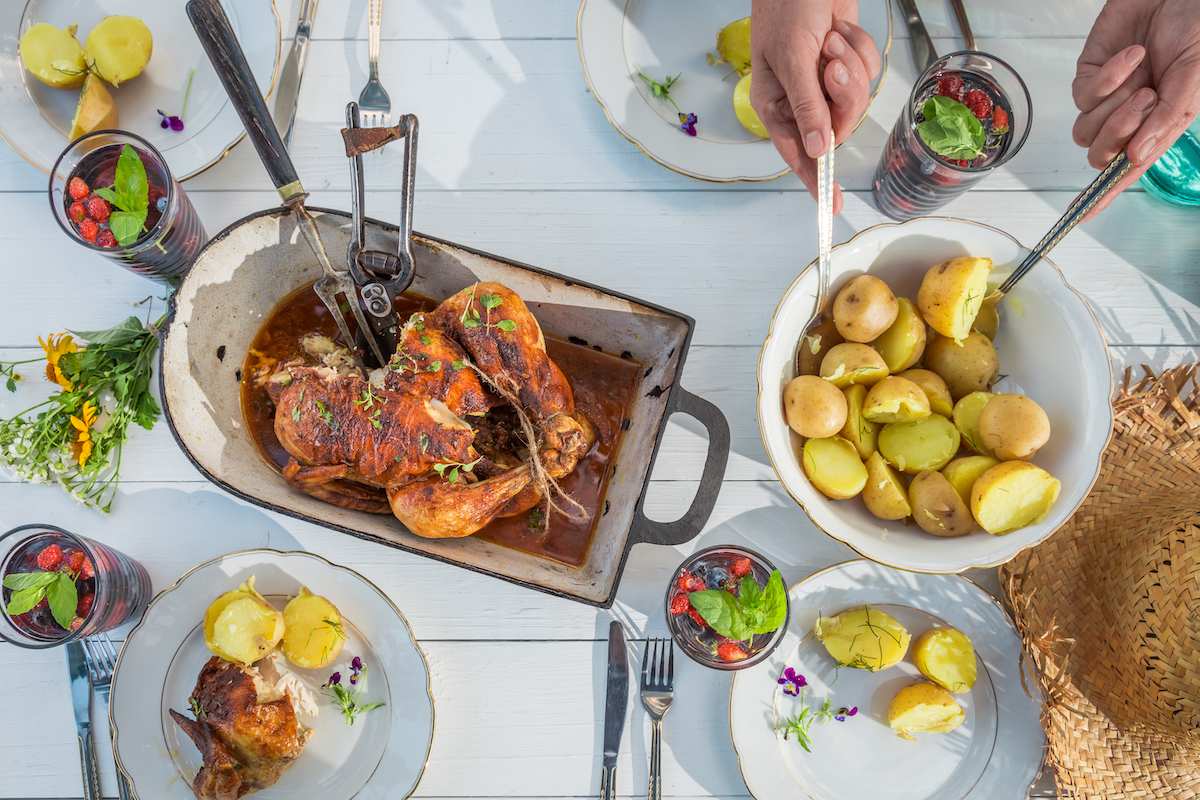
(374, 105)
(658, 690)
(101, 656)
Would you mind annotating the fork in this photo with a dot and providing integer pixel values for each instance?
(374, 104)
(101, 656)
(658, 690)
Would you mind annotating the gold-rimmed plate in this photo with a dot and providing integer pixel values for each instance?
(996, 753)
(36, 119)
(620, 38)
(382, 755)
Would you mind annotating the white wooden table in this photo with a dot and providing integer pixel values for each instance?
(517, 159)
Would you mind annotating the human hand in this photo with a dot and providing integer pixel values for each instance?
(1137, 83)
(812, 68)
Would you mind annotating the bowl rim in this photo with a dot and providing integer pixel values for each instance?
(955, 570)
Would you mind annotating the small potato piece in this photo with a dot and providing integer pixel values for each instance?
(95, 110)
(861, 433)
(1013, 427)
(864, 638)
(119, 48)
(937, 508)
(241, 626)
(966, 419)
(815, 408)
(924, 707)
(951, 294)
(987, 321)
(1013, 494)
(864, 309)
(733, 45)
(834, 467)
(947, 657)
(314, 635)
(815, 344)
(884, 494)
(934, 388)
(851, 362)
(53, 55)
(968, 367)
(913, 447)
(963, 472)
(903, 344)
(896, 399)
(744, 111)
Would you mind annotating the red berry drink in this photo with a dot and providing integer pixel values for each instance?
(41, 564)
(968, 114)
(91, 193)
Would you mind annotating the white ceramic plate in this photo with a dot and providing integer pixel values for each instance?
(35, 119)
(381, 756)
(1050, 346)
(619, 38)
(996, 753)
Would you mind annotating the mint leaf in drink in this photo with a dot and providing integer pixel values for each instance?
(951, 130)
(64, 599)
(28, 580)
(750, 593)
(129, 182)
(108, 194)
(774, 603)
(723, 612)
(127, 226)
(25, 599)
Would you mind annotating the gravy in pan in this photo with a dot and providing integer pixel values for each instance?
(603, 386)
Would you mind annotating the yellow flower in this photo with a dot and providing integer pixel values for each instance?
(56, 348)
(82, 446)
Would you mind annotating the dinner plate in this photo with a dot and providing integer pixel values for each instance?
(36, 119)
(382, 755)
(620, 38)
(995, 753)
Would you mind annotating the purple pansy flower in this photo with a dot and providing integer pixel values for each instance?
(334, 679)
(687, 123)
(174, 123)
(356, 667)
(841, 714)
(793, 682)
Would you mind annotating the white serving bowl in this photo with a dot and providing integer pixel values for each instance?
(1050, 347)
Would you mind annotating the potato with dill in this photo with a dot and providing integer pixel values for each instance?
(952, 293)
(1013, 427)
(314, 635)
(970, 365)
(853, 362)
(863, 638)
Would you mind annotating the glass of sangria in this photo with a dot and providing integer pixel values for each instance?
(968, 113)
(59, 587)
(111, 192)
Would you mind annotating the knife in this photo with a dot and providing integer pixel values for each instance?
(81, 696)
(614, 709)
(293, 73)
(923, 52)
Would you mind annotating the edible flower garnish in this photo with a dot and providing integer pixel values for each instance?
(347, 699)
(841, 714)
(176, 123)
(687, 123)
(356, 666)
(798, 725)
(82, 447)
(662, 90)
(793, 681)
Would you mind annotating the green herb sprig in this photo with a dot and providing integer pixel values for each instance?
(951, 130)
(449, 470)
(348, 700)
(754, 610)
(130, 193)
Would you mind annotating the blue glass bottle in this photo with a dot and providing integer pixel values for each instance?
(1175, 177)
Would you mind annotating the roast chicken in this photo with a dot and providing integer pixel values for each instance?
(470, 421)
(246, 730)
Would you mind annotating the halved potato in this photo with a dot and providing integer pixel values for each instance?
(987, 321)
(903, 344)
(913, 447)
(963, 472)
(968, 366)
(95, 111)
(947, 657)
(853, 362)
(733, 45)
(119, 48)
(951, 294)
(241, 626)
(884, 494)
(966, 419)
(814, 407)
(53, 55)
(1013, 494)
(935, 389)
(924, 707)
(863, 638)
(860, 432)
(744, 111)
(937, 508)
(896, 399)
(864, 309)
(813, 345)
(314, 634)
(1013, 427)
(834, 467)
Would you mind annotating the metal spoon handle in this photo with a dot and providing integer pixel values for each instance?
(1109, 177)
(960, 13)
(825, 186)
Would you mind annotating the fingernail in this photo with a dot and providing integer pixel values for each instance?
(840, 74)
(835, 45)
(841, 26)
(814, 143)
(1147, 149)
(1133, 56)
(1143, 100)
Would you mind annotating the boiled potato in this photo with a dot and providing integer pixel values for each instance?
(861, 433)
(1013, 427)
(53, 55)
(896, 399)
(987, 321)
(1011, 495)
(813, 345)
(119, 48)
(884, 494)
(834, 467)
(851, 362)
(913, 447)
(951, 294)
(947, 657)
(864, 638)
(937, 508)
(968, 366)
(241, 626)
(815, 408)
(963, 472)
(745, 112)
(935, 390)
(864, 309)
(966, 418)
(924, 707)
(95, 111)
(314, 635)
(903, 344)
(733, 45)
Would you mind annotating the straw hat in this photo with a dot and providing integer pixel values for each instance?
(1109, 607)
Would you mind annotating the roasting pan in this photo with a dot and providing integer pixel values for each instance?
(251, 266)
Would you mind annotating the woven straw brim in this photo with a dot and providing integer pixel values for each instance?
(1108, 607)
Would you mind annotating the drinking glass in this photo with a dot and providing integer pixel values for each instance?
(172, 234)
(912, 180)
(1175, 177)
(121, 586)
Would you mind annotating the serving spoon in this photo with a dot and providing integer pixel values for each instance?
(824, 262)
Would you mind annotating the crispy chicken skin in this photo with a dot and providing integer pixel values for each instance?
(428, 363)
